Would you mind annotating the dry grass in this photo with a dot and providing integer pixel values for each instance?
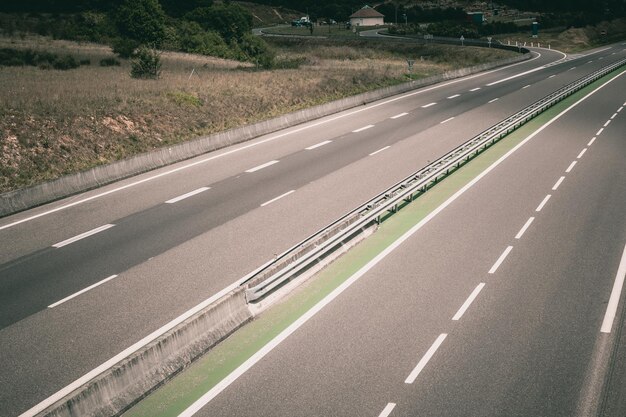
(57, 122)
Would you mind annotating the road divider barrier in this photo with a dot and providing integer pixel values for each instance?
(115, 389)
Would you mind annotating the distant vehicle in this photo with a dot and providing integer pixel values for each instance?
(303, 21)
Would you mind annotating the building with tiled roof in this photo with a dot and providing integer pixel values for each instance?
(367, 17)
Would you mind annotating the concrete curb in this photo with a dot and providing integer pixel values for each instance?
(120, 387)
(24, 199)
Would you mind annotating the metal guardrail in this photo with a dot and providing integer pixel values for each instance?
(327, 239)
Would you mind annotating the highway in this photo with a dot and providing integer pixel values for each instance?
(497, 306)
(158, 244)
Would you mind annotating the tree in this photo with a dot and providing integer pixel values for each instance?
(230, 20)
(140, 20)
(177, 8)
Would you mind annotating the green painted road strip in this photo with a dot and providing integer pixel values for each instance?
(191, 384)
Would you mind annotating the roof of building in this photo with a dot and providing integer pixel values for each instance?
(367, 11)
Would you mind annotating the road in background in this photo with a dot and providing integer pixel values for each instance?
(170, 242)
(494, 308)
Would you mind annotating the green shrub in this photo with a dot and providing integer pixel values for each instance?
(124, 48)
(85, 62)
(109, 62)
(64, 63)
(146, 64)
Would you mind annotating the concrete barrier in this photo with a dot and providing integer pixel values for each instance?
(19, 200)
(118, 388)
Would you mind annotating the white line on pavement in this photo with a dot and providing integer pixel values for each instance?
(387, 410)
(589, 62)
(620, 109)
(380, 150)
(613, 117)
(526, 86)
(206, 398)
(82, 236)
(600, 131)
(469, 301)
(607, 123)
(363, 128)
(243, 368)
(265, 165)
(424, 361)
(476, 89)
(260, 142)
(570, 167)
(501, 259)
(543, 203)
(397, 116)
(593, 139)
(616, 292)
(524, 228)
(425, 106)
(556, 185)
(573, 68)
(552, 76)
(493, 100)
(76, 294)
(189, 194)
(317, 145)
(581, 153)
(447, 120)
(277, 198)
(454, 96)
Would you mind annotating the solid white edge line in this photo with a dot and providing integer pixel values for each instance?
(363, 128)
(557, 184)
(213, 392)
(453, 96)
(570, 167)
(600, 131)
(524, 228)
(425, 106)
(581, 153)
(501, 259)
(494, 100)
(477, 88)
(76, 294)
(616, 292)
(317, 145)
(277, 198)
(447, 120)
(189, 194)
(468, 302)
(232, 377)
(397, 116)
(380, 150)
(607, 123)
(543, 203)
(425, 359)
(260, 167)
(593, 139)
(260, 142)
(387, 410)
(82, 235)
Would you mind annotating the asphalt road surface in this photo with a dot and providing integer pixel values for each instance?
(84, 278)
(496, 307)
